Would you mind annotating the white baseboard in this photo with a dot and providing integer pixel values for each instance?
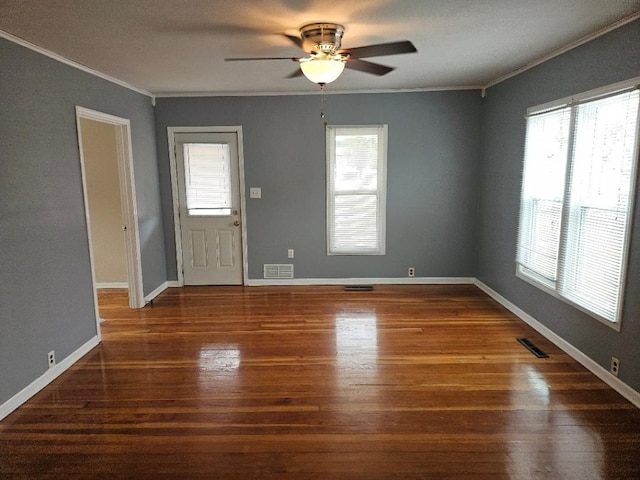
(112, 285)
(602, 373)
(160, 289)
(149, 298)
(361, 281)
(46, 378)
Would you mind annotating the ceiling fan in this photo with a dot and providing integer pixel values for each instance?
(326, 59)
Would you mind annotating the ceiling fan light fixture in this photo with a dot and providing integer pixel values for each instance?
(322, 70)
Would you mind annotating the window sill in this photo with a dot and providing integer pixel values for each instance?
(531, 281)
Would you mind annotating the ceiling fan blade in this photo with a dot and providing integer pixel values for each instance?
(296, 74)
(380, 50)
(295, 59)
(368, 67)
(296, 40)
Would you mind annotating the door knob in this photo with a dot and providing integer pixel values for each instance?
(236, 223)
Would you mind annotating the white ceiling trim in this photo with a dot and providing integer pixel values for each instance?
(71, 63)
(318, 92)
(565, 49)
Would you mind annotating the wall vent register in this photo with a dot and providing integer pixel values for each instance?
(278, 270)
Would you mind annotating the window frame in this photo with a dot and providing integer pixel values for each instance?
(381, 189)
(531, 277)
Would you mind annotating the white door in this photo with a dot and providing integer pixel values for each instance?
(209, 207)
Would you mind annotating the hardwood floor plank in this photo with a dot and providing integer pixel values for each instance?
(404, 382)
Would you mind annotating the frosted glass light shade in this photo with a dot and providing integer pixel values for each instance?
(321, 70)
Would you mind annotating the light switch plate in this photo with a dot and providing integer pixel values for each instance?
(255, 192)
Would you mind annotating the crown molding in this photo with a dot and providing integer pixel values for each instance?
(318, 92)
(47, 53)
(565, 49)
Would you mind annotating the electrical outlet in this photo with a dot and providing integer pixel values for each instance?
(412, 272)
(290, 253)
(615, 366)
(51, 358)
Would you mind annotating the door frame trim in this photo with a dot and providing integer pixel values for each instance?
(171, 132)
(124, 154)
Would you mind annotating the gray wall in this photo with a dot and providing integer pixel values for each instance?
(433, 159)
(46, 301)
(611, 58)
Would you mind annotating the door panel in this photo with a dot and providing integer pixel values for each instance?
(199, 254)
(225, 249)
(209, 206)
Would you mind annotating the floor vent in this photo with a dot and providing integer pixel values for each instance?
(272, 270)
(358, 288)
(532, 348)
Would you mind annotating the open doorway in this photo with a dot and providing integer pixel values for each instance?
(104, 204)
(109, 196)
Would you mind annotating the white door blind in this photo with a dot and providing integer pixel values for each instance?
(356, 179)
(577, 196)
(208, 179)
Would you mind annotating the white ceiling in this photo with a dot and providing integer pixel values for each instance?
(178, 46)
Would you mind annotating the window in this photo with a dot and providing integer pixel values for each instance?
(356, 183)
(577, 195)
(207, 172)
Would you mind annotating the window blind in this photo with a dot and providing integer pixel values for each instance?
(355, 190)
(576, 202)
(598, 202)
(208, 178)
(545, 164)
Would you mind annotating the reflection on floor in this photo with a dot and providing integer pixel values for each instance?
(404, 382)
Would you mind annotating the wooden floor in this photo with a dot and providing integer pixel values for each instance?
(405, 382)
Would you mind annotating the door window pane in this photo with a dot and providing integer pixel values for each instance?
(207, 172)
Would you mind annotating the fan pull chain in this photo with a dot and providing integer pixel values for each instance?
(323, 93)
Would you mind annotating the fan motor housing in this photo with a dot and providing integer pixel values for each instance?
(321, 37)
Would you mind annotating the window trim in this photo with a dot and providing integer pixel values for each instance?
(381, 190)
(589, 95)
(572, 101)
